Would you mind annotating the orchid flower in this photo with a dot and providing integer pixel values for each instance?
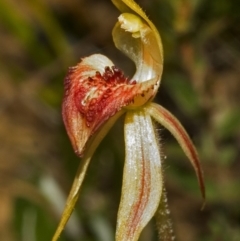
(97, 93)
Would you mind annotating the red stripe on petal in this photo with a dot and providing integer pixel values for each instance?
(142, 177)
(139, 207)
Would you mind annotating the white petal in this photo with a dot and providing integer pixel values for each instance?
(142, 178)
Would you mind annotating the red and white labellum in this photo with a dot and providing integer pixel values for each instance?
(94, 91)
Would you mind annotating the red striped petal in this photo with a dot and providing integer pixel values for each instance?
(142, 177)
(166, 119)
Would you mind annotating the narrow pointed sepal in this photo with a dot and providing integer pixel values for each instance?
(166, 119)
(95, 90)
(142, 177)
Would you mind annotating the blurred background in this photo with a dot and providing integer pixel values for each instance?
(39, 40)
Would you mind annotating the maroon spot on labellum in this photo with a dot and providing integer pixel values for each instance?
(90, 79)
(98, 74)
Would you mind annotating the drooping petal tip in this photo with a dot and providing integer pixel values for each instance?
(165, 118)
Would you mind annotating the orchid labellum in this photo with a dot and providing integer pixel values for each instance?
(96, 94)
